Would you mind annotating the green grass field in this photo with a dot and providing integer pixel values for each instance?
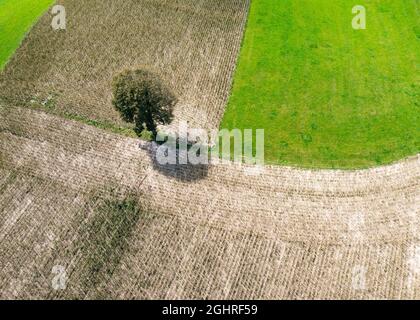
(16, 18)
(328, 95)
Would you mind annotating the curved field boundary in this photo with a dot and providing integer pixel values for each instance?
(329, 96)
(330, 115)
(286, 233)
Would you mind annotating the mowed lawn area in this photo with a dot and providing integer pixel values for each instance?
(329, 96)
(16, 18)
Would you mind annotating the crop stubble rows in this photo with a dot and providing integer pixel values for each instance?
(213, 232)
(286, 233)
(192, 45)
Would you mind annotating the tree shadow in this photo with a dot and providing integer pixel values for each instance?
(182, 172)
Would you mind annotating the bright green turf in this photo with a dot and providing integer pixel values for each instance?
(16, 18)
(328, 95)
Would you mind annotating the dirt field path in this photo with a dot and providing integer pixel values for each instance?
(218, 232)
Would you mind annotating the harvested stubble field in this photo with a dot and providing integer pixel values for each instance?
(286, 233)
(193, 45)
(95, 203)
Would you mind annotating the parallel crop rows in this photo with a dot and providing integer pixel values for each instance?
(122, 226)
(286, 233)
(193, 45)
